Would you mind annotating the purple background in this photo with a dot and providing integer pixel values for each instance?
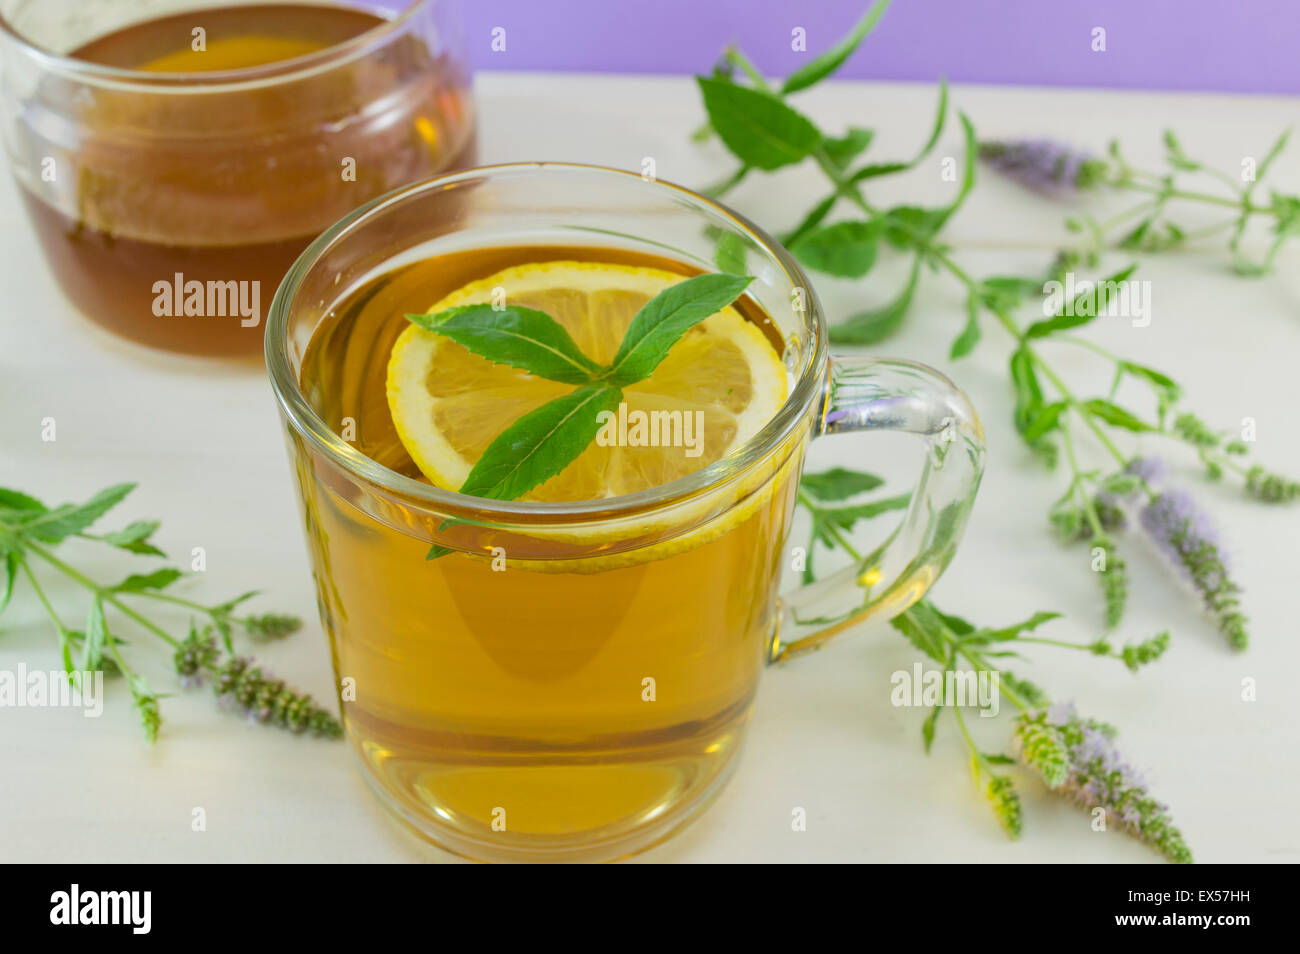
(1227, 45)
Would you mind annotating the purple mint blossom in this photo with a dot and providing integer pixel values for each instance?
(1111, 505)
(1178, 525)
(1100, 777)
(1060, 713)
(1044, 164)
(1186, 534)
(1150, 470)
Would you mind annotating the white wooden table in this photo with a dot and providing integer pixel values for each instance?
(203, 440)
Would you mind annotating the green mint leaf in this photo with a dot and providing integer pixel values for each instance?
(11, 572)
(758, 128)
(839, 483)
(540, 444)
(878, 169)
(968, 169)
(940, 120)
(729, 254)
(157, 580)
(1175, 154)
(867, 327)
(1085, 307)
(135, 538)
(889, 168)
(1162, 383)
(827, 63)
(811, 220)
(146, 703)
(845, 518)
(956, 624)
(921, 626)
(1045, 420)
(96, 637)
(927, 727)
(665, 318)
(1008, 292)
(520, 337)
(1024, 626)
(1114, 415)
(228, 607)
(907, 226)
(965, 342)
(1137, 238)
(1147, 237)
(55, 525)
(842, 150)
(845, 249)
(19, 502)
(1029, 393)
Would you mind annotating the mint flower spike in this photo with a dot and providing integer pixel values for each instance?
(1002, 797)
(1272, 488)
(1041, 747)
(1056, 741)
(1044, 165)
(262, 696)
(1186, 535)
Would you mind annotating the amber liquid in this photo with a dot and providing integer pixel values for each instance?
(506, 713)
(222, 187)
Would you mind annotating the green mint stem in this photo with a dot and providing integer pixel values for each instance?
(104, 593)
(1062, 644)
(65, 647)
(1084, 499)
(1243, 205)
(976, 757)
(211, 611)
(834, 531)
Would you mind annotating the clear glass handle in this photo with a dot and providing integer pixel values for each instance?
(873, 394)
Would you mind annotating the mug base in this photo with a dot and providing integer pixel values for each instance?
(615, 840)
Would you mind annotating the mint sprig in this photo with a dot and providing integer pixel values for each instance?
(960, 647)
(30, 531)
(1053, 417)
(543, 442)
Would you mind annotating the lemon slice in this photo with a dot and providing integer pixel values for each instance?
(720, 383)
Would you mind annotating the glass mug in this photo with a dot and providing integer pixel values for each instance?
(176, 156)
(584, 696)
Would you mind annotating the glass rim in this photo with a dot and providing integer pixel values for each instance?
(305, 421)
(215, 80)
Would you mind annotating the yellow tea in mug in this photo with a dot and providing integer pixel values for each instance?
(547, 644)
(571, 687)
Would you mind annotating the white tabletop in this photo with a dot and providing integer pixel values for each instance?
(203, 440)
